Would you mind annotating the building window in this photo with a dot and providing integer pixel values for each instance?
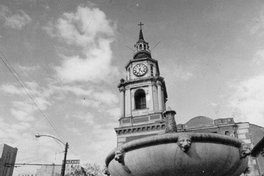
(140, 99)
(151, 70)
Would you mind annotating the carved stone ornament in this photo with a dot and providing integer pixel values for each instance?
(119, 155)
(106, 171)
(244, 151)
(184, 142)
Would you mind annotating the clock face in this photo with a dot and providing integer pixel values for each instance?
(140, 69)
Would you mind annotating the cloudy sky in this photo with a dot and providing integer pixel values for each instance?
(61, 62)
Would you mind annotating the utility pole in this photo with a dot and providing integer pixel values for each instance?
(65, 152)
(64, 160)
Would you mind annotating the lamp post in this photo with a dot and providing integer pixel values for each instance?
(65, 152)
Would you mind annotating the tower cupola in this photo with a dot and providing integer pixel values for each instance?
(142, 47)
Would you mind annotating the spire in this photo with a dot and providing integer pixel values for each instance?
(140, 32)
(142, 47)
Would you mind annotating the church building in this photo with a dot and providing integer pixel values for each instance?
(143, 99)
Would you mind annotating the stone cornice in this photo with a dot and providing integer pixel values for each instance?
(140, 59)
(155, 79)
(140, 128)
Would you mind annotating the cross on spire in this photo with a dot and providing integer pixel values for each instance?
(140, 24)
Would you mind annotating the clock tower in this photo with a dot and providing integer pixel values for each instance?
(143, 96)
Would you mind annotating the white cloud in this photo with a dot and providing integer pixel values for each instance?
(28, 87)
(16, 21)
(65, 89)
(106, 97)
(75, 130)
(87, 118)
(99, 98)
(88, 96)
(12, 89)
(22, 115)
(114, 112)
(89, 103)
(96, 67)
(248, 100)
(28, 69)
(177, 73)
(83, 27)
(90, 30)
(259, 57)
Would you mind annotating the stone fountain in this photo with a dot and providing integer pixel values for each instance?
(181, 154)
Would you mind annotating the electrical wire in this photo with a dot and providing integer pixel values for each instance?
(26, 89)
(23, 171)
(24, 86)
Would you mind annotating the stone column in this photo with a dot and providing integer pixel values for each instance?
(150, 98)
(122, 101)
(159, 96)
(170, 123)
(128, 102)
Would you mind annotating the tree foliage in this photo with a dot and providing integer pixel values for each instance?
(88, 170)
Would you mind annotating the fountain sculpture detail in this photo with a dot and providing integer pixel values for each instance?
(181, 154)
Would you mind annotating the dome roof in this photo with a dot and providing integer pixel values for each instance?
(199, 121)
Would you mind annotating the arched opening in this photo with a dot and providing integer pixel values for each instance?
(140, 99)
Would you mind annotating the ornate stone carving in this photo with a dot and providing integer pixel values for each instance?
(244, 151)
(119, 155)
(122, 89)
(140, 129)
(106, 171)
(184, 142)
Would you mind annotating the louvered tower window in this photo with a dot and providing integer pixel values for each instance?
(140, 99)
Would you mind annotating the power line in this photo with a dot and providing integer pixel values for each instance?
(26, 172)
(28, 164)
(23, 85)
(26, 89)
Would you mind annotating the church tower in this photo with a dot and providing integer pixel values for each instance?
(143, 96)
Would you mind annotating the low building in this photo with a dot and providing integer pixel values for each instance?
(49, 170)
(7, 159)
(71, 166)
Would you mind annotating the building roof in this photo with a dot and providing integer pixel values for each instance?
(199, 121)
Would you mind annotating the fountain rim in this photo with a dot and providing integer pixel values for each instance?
(173, 138)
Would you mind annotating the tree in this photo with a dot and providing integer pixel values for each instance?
(88, 170)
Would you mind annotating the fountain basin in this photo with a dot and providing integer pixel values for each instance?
(162, 155)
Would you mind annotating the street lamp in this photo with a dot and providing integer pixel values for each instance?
(65, 152)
